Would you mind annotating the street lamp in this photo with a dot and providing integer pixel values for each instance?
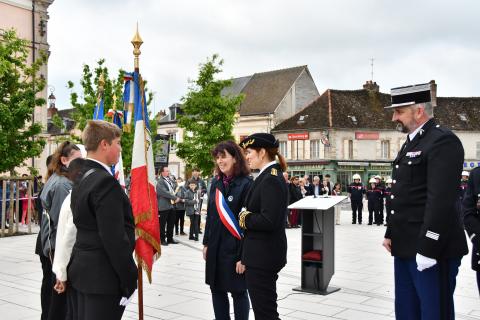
(51, 98)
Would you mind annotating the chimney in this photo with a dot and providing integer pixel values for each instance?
(433, 92)
(371, 86)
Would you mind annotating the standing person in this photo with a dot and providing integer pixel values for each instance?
(328, 183)
(192, 209)
(265, 243)
(381, 186)
(47, 284)
(463, 184)
(166, 200)
(303, 187)
(102, 270)
(424, 234)
(375, 201)
(337, 191)
(356, 191)
(316, 188)
(295, 194)
(180, 191)
(388, 200)
(201, 189)
(54, 192)
(471, 218)
(308, 185)
(222, 242)
(326, 188)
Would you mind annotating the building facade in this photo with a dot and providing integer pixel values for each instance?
(345, 132)
(270, 98)
(30, 20)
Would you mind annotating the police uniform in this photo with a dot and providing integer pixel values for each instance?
(356, 191)
(471, 216)
(424, 222)
(265, 244)
(388, 203)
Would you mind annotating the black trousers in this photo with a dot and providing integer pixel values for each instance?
(262, 288)
(47, 288)
(221, 305)
(58, 303)
(179, 220)
(167, 222)
(388, 208)
(194, 229)
(97, 307)
(357, 208)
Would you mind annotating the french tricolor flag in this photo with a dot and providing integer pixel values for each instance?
(142, 191)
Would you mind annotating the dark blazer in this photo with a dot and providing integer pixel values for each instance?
(295, 193)
(265, 243)
(102, 261)
(471, 215)
(425, 218)
(224, 250)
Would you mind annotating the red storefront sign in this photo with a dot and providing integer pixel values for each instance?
(359, 135)
(298, 136)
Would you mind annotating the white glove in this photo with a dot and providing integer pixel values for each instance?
(125, 301)
(424, 262)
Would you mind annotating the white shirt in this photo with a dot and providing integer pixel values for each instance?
(414, 133)
(103, 165)
(266, 166)
(66, 236)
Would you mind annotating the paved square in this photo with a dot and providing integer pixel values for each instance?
(364, 272)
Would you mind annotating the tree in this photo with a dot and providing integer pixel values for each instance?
(83, 111)
(20, 85)
(206, 116)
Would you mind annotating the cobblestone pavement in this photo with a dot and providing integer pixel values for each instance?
(364, 272)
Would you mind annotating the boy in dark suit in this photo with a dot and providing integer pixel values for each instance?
(102, 271)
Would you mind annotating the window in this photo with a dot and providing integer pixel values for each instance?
(385, 149)
(172, 138)
(348, 149)
(173, 114)
(315, 149)
(283, 148)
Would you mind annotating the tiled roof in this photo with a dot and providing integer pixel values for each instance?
(364, 109)
(265, 91)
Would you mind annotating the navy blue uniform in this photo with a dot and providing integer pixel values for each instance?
(425, 221)
(388, 202)
(356, 191)
(375, 203)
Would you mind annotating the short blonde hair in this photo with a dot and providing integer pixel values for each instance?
(98, 130)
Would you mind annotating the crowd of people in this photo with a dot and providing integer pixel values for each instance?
(87, 236)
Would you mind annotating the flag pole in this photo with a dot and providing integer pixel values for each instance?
(137, 42)
(100, 91)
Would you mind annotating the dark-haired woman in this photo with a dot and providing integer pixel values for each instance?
(222, 239)
(53, 194)
(264, 251)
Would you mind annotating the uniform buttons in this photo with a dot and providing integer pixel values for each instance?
(392, 196)
(409, 162)
(392, 211)
(438, 126)
(394, 181)
(396, 166)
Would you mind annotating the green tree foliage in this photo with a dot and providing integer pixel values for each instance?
(83, 110)
(20, 85)
(207, 117)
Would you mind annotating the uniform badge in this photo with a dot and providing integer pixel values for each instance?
(230, 198)
(413, 154)
(274, 172)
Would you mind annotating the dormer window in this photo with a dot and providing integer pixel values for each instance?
(173, 113)
(354, 119)
(463, 117)
(301, 120)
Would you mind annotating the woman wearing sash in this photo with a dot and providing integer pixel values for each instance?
(223, 237)
(264, 251)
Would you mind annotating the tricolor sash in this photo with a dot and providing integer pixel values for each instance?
(226, 215)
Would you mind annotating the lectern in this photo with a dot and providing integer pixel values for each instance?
(318, 242)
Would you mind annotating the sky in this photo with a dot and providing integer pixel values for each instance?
(410, 41)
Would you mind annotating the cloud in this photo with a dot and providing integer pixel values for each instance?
(411, 41)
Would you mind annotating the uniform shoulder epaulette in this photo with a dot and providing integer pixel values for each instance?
(274, 172)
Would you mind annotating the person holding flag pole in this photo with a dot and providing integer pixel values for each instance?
(142, 189)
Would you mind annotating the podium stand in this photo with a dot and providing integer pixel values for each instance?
(318, 234)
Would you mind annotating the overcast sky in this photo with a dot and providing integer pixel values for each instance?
(411, 41)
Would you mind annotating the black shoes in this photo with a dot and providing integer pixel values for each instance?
(183, 233)
(172, 241)
(164, 243)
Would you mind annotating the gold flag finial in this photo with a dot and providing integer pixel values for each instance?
(101, 80)
(137, 42)
(114, 102)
